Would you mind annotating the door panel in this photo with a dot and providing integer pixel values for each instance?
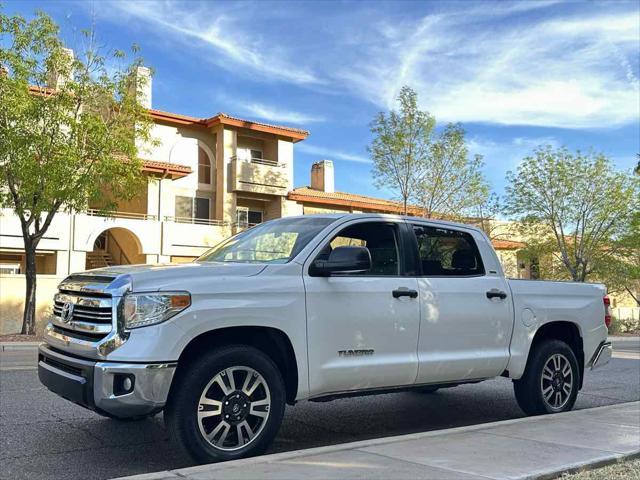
(464, 334)
(360, 333)
(360, 336)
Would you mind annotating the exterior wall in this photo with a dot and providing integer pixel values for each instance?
(11, 305)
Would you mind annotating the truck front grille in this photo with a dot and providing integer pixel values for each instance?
(82, 316)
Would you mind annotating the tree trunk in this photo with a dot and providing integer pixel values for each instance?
(29, 316)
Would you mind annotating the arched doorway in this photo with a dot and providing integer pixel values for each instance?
(115, 246)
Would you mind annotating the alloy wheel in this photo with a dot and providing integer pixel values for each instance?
(234, 408)
(556, 381)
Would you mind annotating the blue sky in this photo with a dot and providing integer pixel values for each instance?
(515, 74)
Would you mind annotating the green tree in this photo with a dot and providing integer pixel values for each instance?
(452, 184)
(63, 147)
(575, 205)
(401, 146)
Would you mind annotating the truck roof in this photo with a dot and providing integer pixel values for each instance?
(388, 215)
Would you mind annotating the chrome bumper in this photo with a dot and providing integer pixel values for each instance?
(99, 385)
(602, 355)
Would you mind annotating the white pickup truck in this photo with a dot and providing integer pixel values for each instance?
(315, 308)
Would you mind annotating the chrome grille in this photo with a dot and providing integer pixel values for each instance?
(82, 316)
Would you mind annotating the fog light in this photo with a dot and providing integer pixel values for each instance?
(123, 383)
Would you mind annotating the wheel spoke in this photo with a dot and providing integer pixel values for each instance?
(547, 392)
(250, 387)
(566, 388)
(232, 382)
(260, 413)
(244, 426)
(217, 410)
(566, 371)
(220, 381)
(558, 400)
(222, 426)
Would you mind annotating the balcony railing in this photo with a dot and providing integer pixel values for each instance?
(260, 161)
(197, 221)
(115, 214)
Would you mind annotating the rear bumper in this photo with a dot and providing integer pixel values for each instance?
(602, 355)
(99, 386)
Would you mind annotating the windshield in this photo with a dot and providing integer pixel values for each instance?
(277, 241)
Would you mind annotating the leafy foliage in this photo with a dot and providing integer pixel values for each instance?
(452, 184)
(577, 211)
(401, 146)
(69, 130)
(433, 171)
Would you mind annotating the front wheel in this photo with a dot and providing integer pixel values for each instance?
(228, 405)
(550, 382)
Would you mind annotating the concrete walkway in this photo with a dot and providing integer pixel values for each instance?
(525, 448)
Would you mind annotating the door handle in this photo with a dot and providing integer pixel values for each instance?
(495, 293)
(404, 292)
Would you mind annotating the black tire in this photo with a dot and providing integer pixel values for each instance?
(181, 413)
(529, 389)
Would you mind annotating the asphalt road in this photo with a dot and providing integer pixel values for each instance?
(43, 436)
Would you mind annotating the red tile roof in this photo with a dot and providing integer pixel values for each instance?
(307, 194)
(172, 170)
(296, 134)
(507, 244)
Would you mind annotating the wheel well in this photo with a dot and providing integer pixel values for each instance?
(271, 341)
(567, 332)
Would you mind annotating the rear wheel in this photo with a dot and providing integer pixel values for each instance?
(550, 382)
(227, 406)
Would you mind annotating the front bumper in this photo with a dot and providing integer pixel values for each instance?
(602, 355)
(99, 385)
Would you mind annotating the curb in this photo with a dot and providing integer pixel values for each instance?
(182, 472)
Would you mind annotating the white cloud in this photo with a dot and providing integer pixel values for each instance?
(569, 72)
(330, 154)
(274, 114)
(233, 48)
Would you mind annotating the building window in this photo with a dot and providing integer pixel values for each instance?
(256, 154)
(201, 208)
(184, 207)
(248, 218)
(204, 167)
(14, 263)
(190, 208)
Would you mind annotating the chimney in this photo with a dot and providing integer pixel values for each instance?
(56, 80)
(143, 84)
(322, 176)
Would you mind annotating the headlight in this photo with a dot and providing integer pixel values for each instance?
(143, 309)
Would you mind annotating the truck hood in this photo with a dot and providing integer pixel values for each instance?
(152, 277)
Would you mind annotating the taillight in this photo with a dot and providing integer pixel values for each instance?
(607, 311)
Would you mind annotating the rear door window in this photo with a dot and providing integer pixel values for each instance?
(447, 252)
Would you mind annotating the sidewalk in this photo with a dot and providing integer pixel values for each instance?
(525, 448)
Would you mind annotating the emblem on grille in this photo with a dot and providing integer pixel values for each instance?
(67, 312)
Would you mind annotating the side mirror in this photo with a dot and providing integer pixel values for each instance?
(342, 259)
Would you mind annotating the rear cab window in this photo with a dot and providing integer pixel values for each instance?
(445, 252)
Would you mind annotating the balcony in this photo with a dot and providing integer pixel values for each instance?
(259, 175)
